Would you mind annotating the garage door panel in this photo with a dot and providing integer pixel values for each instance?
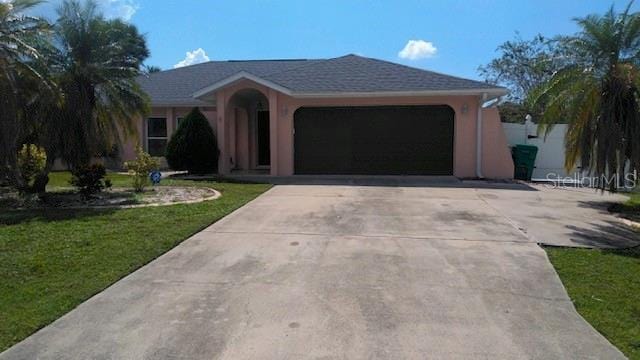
(411, 140)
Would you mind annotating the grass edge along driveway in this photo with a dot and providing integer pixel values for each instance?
(53, 260)
(604, 286)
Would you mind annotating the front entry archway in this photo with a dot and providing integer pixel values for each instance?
(248, 122)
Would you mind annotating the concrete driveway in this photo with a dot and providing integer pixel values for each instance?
(354, 272)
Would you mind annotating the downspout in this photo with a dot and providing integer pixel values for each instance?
(483, 99)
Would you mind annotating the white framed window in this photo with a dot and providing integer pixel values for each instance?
(178, 121)
(156, 136)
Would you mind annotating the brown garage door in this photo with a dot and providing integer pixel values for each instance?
(381, 140)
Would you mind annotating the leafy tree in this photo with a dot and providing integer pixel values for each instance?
(17, 58)
(150, 69)
(193, 146)
(511, 112)
(598, 94)
(524, 64)
(96, 65)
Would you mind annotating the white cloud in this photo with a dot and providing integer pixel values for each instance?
(418, 49)
(193, 57)
(123, 9)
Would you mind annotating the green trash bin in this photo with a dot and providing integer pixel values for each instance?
(524, 159)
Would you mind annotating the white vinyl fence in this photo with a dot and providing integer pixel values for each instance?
(550, 159)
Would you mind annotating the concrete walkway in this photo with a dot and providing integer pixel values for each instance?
(354, 272)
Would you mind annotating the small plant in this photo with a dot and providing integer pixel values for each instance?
(140, 168)
(90, 180)
(193, 146)
(31, 161)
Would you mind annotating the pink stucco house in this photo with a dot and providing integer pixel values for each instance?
(344, 115)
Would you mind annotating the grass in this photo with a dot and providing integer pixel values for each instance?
(629, 209)
(61, 179)
(52, 260)
(605, 288)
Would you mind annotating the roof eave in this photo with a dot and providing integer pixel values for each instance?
(243, 75)
(495, 92)
(199, 103)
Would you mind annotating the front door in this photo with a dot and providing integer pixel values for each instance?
(264, 144)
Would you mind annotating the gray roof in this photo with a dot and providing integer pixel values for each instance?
(345, 74)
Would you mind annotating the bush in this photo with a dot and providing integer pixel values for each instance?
(90, 180)
(31, 161)
(193, 146)
(140, 168)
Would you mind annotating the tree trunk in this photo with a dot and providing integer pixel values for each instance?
(40, 183)
(8, 142)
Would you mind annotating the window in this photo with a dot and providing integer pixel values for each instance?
(156, 136)
(178, 121)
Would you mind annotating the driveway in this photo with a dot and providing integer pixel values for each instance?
(354, 272)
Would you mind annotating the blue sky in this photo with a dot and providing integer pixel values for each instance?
(453, 36)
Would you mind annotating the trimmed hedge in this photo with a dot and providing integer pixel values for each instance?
(193, 146)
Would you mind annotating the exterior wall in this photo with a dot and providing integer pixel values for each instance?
(242, 139)
(171, 114)
(496, 157)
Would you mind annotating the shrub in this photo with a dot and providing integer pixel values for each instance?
(193, 146)
(140, 168)
(90, 180)
(31, 161)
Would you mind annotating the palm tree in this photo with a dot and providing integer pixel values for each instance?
(598, 95)
(99, 62)
(18, 57)
(102, 60)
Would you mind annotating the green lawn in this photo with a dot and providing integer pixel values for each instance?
(605, 288)
(52, 260)
(629, 209)
(61, 179)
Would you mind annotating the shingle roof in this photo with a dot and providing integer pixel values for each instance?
(346, 74)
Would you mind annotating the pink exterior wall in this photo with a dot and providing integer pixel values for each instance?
(232, 123)
(242, 139)
(496, 158)
(171, 114)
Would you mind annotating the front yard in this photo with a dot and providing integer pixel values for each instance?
(51, 260)
(630, 209)
(605, 285)
(605, 288)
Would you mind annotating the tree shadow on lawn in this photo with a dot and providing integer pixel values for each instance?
(611, 235)
(18, 216)
(632, 252)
